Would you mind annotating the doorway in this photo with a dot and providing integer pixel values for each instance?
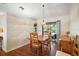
(53, 28)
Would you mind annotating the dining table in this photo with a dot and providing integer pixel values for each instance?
(42, 39)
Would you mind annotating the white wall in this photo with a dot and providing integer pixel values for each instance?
(3, 19)
(74, 25)
(64, 23)
(0, 19)
(19, 29)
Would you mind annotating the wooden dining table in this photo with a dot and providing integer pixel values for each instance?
(41, 39)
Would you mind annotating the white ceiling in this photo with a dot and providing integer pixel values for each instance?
(34, 10)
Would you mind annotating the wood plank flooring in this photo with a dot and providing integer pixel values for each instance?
(2, 53)
(26, 51)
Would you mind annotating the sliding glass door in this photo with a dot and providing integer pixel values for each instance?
(49, 27)
(53, 28)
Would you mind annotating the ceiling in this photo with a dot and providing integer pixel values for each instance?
(34, 10)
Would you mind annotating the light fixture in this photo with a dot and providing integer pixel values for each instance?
(43, 14)
(21, 7)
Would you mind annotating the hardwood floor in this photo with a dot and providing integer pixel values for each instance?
(26, 51)
(2, 53)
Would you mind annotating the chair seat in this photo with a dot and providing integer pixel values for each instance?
(36, 45)
(47, 42)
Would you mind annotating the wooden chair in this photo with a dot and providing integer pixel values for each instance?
(78, 40)
(34, 43)
(76, 47)
(47, 43)
(76, 51)
(65, 37)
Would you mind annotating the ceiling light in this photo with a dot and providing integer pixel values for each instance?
(43, 14)
(21, 7)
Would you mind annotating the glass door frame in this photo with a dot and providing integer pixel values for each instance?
(58, 29)
(47, 24)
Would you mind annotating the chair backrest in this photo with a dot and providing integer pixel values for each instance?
(76, 46)
(48, 37)
(78, 40)
(34, 37)
(65, 37)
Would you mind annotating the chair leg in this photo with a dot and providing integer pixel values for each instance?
(42, 49)
(49, 49)
(50, 46)
(37, 51)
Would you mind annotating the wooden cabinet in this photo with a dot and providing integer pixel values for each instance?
(67, 46)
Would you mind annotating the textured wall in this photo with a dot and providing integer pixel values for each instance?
(74, 21)
(3, 19)
(18, 31)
